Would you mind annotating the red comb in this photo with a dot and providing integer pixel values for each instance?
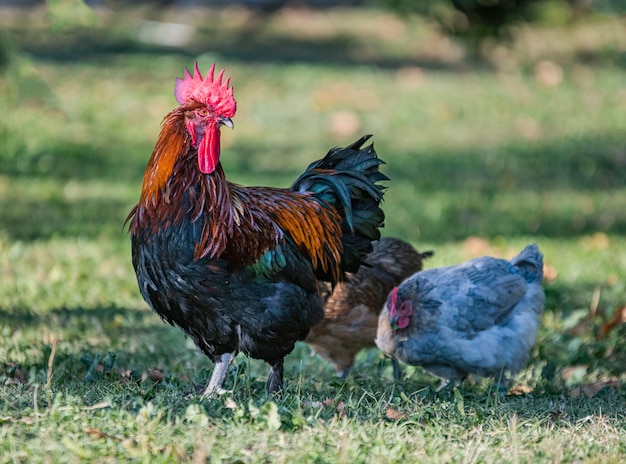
(208, 90)
(394, 298)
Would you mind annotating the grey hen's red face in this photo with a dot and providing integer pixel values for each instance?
(400, 311)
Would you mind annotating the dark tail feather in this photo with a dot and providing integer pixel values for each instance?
(347, 179)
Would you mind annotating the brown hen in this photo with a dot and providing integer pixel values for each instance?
(351, 310)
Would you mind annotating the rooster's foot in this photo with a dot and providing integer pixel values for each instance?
(214, 387)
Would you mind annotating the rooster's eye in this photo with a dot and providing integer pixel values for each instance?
(203, 112)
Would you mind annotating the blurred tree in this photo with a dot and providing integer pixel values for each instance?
(607, 6)
(471, 19)
(7, 48)
(474, 20)
(65, 14)
(22, 77)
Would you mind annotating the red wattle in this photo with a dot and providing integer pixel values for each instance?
(209, 151)
(403, 322)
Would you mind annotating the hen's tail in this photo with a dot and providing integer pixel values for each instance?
(347, 180)
(530, 263)
(397, 258)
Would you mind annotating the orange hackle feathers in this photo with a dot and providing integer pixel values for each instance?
(173, 140)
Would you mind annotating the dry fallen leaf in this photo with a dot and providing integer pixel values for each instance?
(477, 246)
(570, 371)
(344, 124)
(619, 317)
(230, 403)
(394, 414)
(95, 433)
(341, 409)
(548, 73)
(155, 374)
(411, 76)
(521, 390)
(528, 127)
(612, 279)
(597, 241)
(592, 389)
(549, 273)
(101, 405)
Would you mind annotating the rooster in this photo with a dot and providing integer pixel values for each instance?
(480, 317)
(351, 309)
(236, 268)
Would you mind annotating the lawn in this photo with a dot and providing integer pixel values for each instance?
(484, 155)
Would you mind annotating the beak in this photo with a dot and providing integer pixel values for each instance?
(227, 122)
(393, 322)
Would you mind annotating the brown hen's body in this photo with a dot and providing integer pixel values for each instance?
(351, 310)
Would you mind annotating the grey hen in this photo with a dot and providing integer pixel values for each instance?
(480, 317)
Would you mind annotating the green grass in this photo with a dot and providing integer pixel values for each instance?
(484, 157)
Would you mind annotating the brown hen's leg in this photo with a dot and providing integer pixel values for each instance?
(275, 379)
(397, 369)
(343, 374)
(219, 373)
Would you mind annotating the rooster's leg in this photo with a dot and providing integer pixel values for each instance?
(219, 373)
(275, 379)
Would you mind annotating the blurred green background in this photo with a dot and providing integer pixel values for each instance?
(501, 122)
(516, 132)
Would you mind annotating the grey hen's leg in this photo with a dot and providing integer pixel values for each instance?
(502, 382)
(450, 383)
(214, 386)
